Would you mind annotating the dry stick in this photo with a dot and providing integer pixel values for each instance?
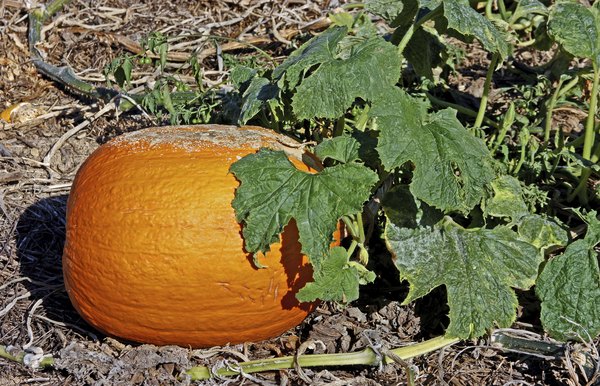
(58, 144)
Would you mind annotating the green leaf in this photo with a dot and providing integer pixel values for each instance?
(394, 12)
(576, 29)
(241, 74)
(317, 50)
(338, 279)
(525, 8)
(569, 287)
(371, 65)
(386, 9)
(452, 167)
(468, 22)
(259, 92)
(425, 52)
(404, 211)
(543, 232)
(343, 149)
(477, 266)
(273, 191)
(507, 200)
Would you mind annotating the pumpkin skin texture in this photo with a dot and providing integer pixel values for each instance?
(153, 251)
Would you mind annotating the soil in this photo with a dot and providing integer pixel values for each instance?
(56, 129)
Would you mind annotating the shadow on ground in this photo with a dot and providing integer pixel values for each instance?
(40, 237)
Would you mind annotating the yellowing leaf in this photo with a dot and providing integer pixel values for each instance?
(477, 266)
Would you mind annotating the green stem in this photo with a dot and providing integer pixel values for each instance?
(365, 357)
(486, 91)
(507, 122)
(524, 138)
(550, 110)
(47, 361)
(461, 109)
(351, 226)
(588, 142)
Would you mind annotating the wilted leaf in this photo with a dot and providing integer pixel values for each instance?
(477, 266)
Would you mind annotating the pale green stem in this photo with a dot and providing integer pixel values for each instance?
(588, 142)
(365, 357)
(550, 111)
(559, 92)
(507, 122)
(486, 91)
(461, 109)
(44, 363)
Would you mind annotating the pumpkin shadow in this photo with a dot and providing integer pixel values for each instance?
(40, 237)
(297, 271)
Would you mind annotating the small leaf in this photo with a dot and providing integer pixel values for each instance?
(425, 51)
(337, 280)
(241, 74)
(468, 22)
(342, 149)
(317, 50)
(273, 191)
(477, 266)
(404, 211)
(259, 92)
(394, 12)
(452, 167)
(576, 29)
(543, 232)
(507, 200)
(569, 287)
(372, 65)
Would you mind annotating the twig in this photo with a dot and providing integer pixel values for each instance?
(58, 144)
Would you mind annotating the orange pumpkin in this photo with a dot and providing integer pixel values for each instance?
(154, 253)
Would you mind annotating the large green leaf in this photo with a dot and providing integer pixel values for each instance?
(272, 191)
(452, 167)
(569, 287)
(338, 279)
(468, 22)
(368, 67)
(477, 266)
(577, 29)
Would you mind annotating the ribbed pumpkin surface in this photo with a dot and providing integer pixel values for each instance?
(154, 254)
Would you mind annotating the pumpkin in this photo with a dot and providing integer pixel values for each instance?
(154, 254)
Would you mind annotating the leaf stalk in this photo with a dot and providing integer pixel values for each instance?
(486, 91)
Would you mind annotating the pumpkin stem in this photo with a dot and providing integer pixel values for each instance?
(367, 356)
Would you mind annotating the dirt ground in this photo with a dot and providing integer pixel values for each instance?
(42, 149)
